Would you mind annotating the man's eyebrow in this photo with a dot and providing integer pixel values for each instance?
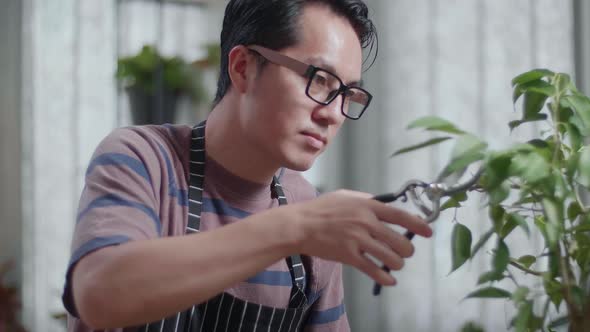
(321, 63)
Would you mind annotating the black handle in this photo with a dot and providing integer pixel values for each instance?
(377, 287)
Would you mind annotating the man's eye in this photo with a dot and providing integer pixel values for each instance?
(320, 80)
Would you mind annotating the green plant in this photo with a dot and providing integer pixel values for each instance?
(149, 70)
(9, 303)
(537, 186)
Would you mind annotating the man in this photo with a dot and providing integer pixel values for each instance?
(289, 78)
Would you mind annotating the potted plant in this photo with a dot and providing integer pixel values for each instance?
(154, 83)
(9, 303)
(536, 186)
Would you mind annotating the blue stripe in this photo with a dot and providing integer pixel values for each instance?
(92, 245)
(113, 200)
(327, 316)
(119, 159)
(180, 194)
(97, 243)
(221, 208)
(272, 278)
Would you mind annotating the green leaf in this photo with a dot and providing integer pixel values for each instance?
(525, 319)
(527, 260)
(467, 144)
(501, 257)
(538, 143)
(435, 123)
(532, 167)
(489, 276)
(496, 213)
(497, 170)
(520, 294)
(580, 105)
(520, 221)
(562, 81)
(533, 118)
(559, 322)
(421, 145)
(583, 175)
(467, 150)
(575, 137)
(533, 104)
(508, 227)
(581, 228)
(553, 290)
(471, 327)
(538, 86)
(573, 211)
(454, 201)
(542, 226)
(449, 204)
(554, 263)
(571, 167)
(461, 245)
(553, 226)
(532, 75)
(489, 292)
(461, 163)
(577, 122)
(499, 194)
(482, 241)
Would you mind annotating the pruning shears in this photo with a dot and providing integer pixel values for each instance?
(427, 198)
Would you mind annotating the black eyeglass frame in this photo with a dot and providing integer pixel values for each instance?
(309, 71)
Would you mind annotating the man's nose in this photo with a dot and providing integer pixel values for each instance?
(331, 113)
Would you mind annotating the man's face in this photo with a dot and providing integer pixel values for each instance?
(289, 127)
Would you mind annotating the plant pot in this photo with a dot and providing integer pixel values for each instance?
(152, 108)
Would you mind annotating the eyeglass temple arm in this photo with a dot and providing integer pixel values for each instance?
(283, 60)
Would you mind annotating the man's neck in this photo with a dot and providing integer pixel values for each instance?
(227, 145)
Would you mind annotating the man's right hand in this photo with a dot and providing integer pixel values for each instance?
(346, 226)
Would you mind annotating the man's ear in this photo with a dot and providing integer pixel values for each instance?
(241, 65)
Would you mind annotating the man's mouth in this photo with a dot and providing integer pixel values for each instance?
(316, 140)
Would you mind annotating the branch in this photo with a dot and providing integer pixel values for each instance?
(524, 269)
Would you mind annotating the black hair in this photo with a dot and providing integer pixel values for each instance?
(274, 24)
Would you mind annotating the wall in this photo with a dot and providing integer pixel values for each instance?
(10, 142)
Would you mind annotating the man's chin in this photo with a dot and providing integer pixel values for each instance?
(301, 164)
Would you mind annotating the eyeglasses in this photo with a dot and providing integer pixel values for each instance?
(322, 86)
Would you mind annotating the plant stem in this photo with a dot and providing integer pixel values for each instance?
(556, 100)
(579, 199)
(524, 269)
(573, 313)
(511, 277)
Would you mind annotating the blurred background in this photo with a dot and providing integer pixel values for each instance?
(73, 70)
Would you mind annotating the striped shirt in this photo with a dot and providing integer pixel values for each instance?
(136, 189)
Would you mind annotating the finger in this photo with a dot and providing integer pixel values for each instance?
(400, 217)
(396, 241)
(371, 269)
(356, 194)
(382, 252)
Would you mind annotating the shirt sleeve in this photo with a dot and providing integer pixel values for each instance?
(328, 313)
(119, 202)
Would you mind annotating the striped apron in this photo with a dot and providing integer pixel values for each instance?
(226, 312)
